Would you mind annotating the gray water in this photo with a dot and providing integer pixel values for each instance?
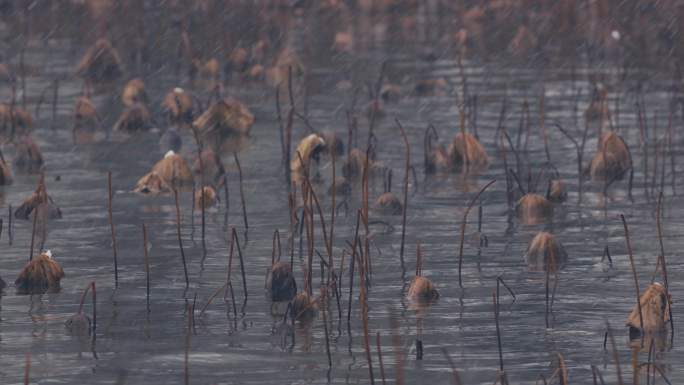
(134, 346)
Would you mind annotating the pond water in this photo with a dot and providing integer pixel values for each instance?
(133, 345)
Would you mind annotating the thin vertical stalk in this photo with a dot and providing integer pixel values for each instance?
(147, 267)
(180, 240)
(406, 179)
(463, 225)
(242, 192)
(111, 225)
(634, 273)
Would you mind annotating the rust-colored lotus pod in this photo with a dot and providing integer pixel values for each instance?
(422, 290)
(557, 192)
(280, 282)
(134, 92)
(475, 154)
(225, 118)
(655, 309)
(210, 197)
(211, 165)
(100, 63)
(308, 148)
(135, 118)
(42, 274)
(151, 184)
(612, 160)
(28, 158)
(179, 107)
(174, 170)
(545, 253)
(304, 307)
(16, 119)
(534, 208)
(388, 203)
(38, 198)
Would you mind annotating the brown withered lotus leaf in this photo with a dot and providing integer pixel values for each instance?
(174, 170)
(523, 42)
(79, 324)
(422, 290)
(135, 118)
(179, 107)
(557, 192)
(287, 59)
(210, 197)
(6, 74)
(304, 307)
(545, 252)
(437, 160)
(534, 208)
(100, 63)
(225, 118)
(375, 107)
(205, 74)
(151, 184)
(134, 92)
(16, 117)
(332, 142)
(3, 284)
(388, 203)
(342, 186)
(85, 114)
(42, 274)
(28, 158)
(256, 72)
(280, 282)
(655, 309)
(211, 165)
(5, 173)
(37, 198)
(354, 164)
(390, 92)
(308, 148)
(612, 160)
(428, 87)
(471, 148)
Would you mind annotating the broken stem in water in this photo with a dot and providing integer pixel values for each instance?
(663, 265)
(242, 262)
(180, 240)
(242, 192)
(382, 366)
(147, 267)
(111, 225)
(634, 273)
(463, 225)
(406, 179)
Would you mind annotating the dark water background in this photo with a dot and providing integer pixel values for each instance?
(134, 346)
